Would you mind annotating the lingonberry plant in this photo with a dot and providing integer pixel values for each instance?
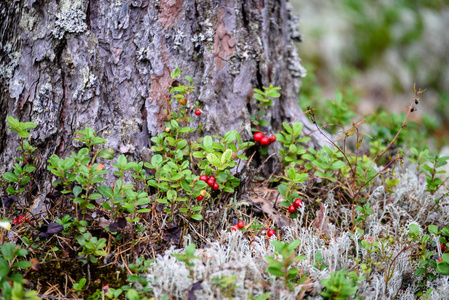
(292, 143)
(264, 100)
(282, 267)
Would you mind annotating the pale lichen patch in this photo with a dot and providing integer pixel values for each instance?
(69, 21)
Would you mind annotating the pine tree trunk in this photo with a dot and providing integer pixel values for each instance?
(65, 65)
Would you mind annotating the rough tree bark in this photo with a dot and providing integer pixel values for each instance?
(68, 64)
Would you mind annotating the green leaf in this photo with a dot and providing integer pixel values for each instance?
(214, 160)
(143, 201)
(77, 190)
(275, 270)
(10, 177)
(105, 191)
(443, 268)
(291, 173)
(94, 196)
(186, 130)
(198, 217)
(176, 73)
(181, 144)
(228, 189)
(24, 133)
(260, 98)
(23, 264)
(294, 244)
(13, 122)
(282, 188)
(445, 257)
(207, 142)
(4, 267)
(297, 128)
(414, 229)
(8, 251)
(287, 127)
(433, 229)
(420, 271)
(338, 165)
(445, 231)
(106, 153)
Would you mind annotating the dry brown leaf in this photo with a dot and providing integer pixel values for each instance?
(265, 200)
(321, 222)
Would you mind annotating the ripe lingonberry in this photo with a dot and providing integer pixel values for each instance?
(199, 198)
(204, 178)
(297, 203)
(15, 221)
(198, 112)
(212, 178)
(210, 182)
(215, 186)
(258, 136)
(271, 232)
(272, 138)
(234, 228)
(265, 141)
(292, 209)
(240, 225)
(20, 219)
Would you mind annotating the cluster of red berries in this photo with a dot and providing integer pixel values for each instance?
(264, 140)
(240, 225)
(20, 219)
(296, 204)
(210, 180)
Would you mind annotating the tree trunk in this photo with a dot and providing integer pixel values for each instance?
(70, 64)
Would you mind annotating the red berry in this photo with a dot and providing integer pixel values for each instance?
(21, 219)
(15, 221)
(292, 209)
(240, 225)
(271, 232)
(272, 138)
(204, 178)
(215, 186)
(198, 112)
(210, 182)
(234, 228)
(258, 136)
(212, 178)
(297, 203)
(265, 141)
(199, 198)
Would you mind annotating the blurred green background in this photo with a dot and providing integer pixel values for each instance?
(363, 58)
